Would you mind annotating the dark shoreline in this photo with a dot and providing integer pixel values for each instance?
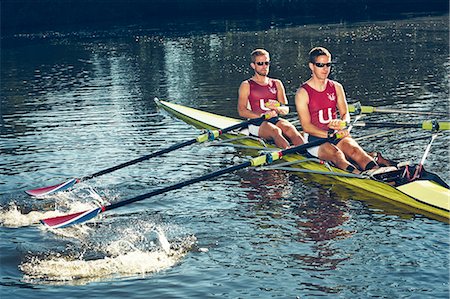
(25, 15)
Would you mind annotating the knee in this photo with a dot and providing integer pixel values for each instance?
(290, 130)
(274, 130)
(268, 130)
(339, 157)
(333, 154)
(351, 149)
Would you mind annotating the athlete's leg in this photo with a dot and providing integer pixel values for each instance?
(382, 161)
(290, 131)
(353, 151)
(270, 131)
(329, 152)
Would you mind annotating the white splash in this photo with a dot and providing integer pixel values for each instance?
(165, 245)
(65, 203)
(60, 269)
(12, 217)
(124, 259)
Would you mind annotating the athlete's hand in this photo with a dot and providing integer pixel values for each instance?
(282, 110)
(342, 134)
(272, 104)
(270, 114)
(336, 124)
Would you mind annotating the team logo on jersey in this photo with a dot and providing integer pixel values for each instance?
(331, 96)
(273, 90)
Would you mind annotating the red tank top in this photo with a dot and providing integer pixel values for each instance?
(260, 94)
(322, 105)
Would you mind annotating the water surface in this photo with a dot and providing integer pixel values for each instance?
(75, 102)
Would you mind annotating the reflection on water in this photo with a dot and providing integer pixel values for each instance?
(74, 103)
(322, 220)
(178, 68)
(319, 216)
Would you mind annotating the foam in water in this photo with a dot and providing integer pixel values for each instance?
(131, 254)
(64, 203)
(113, 247)
(13, 217)
(60, 269)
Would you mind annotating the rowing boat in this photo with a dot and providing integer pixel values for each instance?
(422, 196)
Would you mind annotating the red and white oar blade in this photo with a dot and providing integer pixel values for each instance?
(71, 219)
(39, 192)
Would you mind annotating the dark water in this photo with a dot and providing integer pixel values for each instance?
(75, 102)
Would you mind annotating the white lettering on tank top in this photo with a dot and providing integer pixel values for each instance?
(262, 105)
(321, 118)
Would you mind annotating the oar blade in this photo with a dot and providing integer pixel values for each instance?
(71, 219)
(39, 192)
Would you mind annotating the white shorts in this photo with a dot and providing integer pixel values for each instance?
(253, 130)
(314, 151)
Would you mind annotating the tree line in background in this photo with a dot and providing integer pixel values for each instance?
(19, 15)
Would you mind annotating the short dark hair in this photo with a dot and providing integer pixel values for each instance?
(316, 52)
(258, 52)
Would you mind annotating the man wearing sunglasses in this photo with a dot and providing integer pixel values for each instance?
(318, 102)
(261, 95)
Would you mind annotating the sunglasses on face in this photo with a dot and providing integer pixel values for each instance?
(261, 63)
(318, 64)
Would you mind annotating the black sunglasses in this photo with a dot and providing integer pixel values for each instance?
(318, 64)
(260, 63)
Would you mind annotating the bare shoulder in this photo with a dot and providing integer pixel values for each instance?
(301, 98)
(244, 91)
(301, 92)
(278, 82)
(338, 85)
(245, 83)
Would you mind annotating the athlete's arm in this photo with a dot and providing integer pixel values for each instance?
(281, 97)
(342, 107)
(244, 92)
(342, 103)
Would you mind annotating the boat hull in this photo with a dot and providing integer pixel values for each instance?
(423, 197)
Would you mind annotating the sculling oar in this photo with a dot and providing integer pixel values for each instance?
(430, 125)
(358, 109)
(80, 217)
(370, 109)
(208, 136)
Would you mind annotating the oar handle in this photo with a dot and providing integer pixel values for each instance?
(243, 124)
(356, 107)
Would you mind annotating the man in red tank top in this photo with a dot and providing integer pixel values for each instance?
(261, 95)
(318, 102)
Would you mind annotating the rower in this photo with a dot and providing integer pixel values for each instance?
(261, 95)
(318, 100)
